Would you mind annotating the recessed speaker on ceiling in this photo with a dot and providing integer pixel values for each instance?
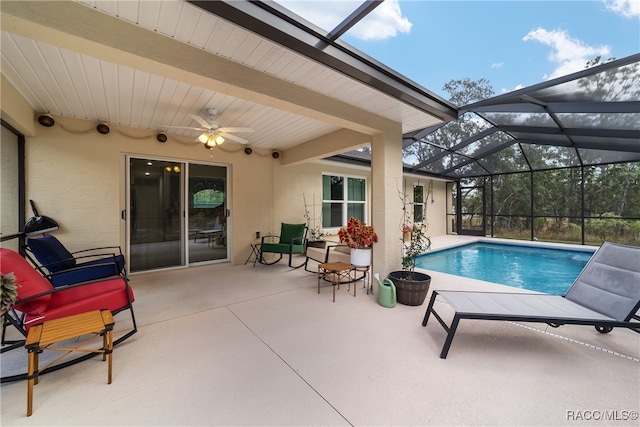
(248, 150)
(161, 137)
(103, 128)
(275, 154)
(46, 120)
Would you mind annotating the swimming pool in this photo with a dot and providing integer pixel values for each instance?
(545, 270)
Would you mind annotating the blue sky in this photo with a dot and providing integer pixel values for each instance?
(512, 44)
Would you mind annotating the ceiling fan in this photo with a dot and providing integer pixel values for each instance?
(212, 132)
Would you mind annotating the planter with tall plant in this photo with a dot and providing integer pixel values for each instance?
(411, 286)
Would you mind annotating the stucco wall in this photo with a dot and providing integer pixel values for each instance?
(79, 179)
(435, 202)
(291, 182)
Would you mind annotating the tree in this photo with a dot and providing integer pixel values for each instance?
(462, 92)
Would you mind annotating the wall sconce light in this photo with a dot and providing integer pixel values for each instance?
(161, 137)
(275, 154)
(103, 128)
(248, 150)
(46, 120)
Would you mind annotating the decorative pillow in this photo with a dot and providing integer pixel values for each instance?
(291, 231)
(51, 253)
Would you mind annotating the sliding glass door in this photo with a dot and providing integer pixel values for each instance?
(156, 228)
(207, 215)
(177, 213)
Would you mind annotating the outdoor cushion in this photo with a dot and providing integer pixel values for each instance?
(51, 253)
(64, 268)
(106, 294)
(611, 287)
(291, 231)
(29, 282)
(91, 270)
(291, 240)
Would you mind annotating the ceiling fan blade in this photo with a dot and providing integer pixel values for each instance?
(248, 130)
(180, 127)
(233, 138)
(200, 120)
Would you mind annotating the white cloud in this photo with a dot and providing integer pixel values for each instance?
(383, 22)
(505, 90)
(626, 8)
(569, 54)
(498, 65)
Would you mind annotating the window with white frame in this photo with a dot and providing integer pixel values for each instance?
(418, 203)
(343, 197)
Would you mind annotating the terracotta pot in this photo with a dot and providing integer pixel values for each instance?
(410, 291)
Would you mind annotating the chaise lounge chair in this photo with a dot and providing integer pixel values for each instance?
(605, 295)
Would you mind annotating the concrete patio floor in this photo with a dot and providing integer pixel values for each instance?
(238, 345)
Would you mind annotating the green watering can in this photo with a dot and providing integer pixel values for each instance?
(386, 292)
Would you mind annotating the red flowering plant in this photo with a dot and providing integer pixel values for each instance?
(357, 234)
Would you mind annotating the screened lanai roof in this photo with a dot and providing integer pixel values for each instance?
(587, 118)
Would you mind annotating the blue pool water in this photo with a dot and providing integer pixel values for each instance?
(550, 271)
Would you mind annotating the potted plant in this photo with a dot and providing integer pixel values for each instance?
(411, 286)
(314, 231)
(360, 238)
(9, 291)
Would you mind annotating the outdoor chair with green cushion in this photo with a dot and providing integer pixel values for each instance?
(291, 241)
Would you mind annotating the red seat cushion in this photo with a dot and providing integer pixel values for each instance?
(29, 282)
(108, 294)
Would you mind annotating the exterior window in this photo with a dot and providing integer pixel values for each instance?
(418, 204)
(342, 197)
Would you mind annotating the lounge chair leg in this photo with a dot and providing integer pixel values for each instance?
(452, 332)
(434, 294)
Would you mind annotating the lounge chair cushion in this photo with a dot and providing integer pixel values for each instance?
(51, 253)
(618, 294)
(288, 233)
(291, 231)
(29, 282)
(90, 270)
(331, 253)
(110, 294)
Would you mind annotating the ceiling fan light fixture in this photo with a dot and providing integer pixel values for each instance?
(218, 139)
(204, 138)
